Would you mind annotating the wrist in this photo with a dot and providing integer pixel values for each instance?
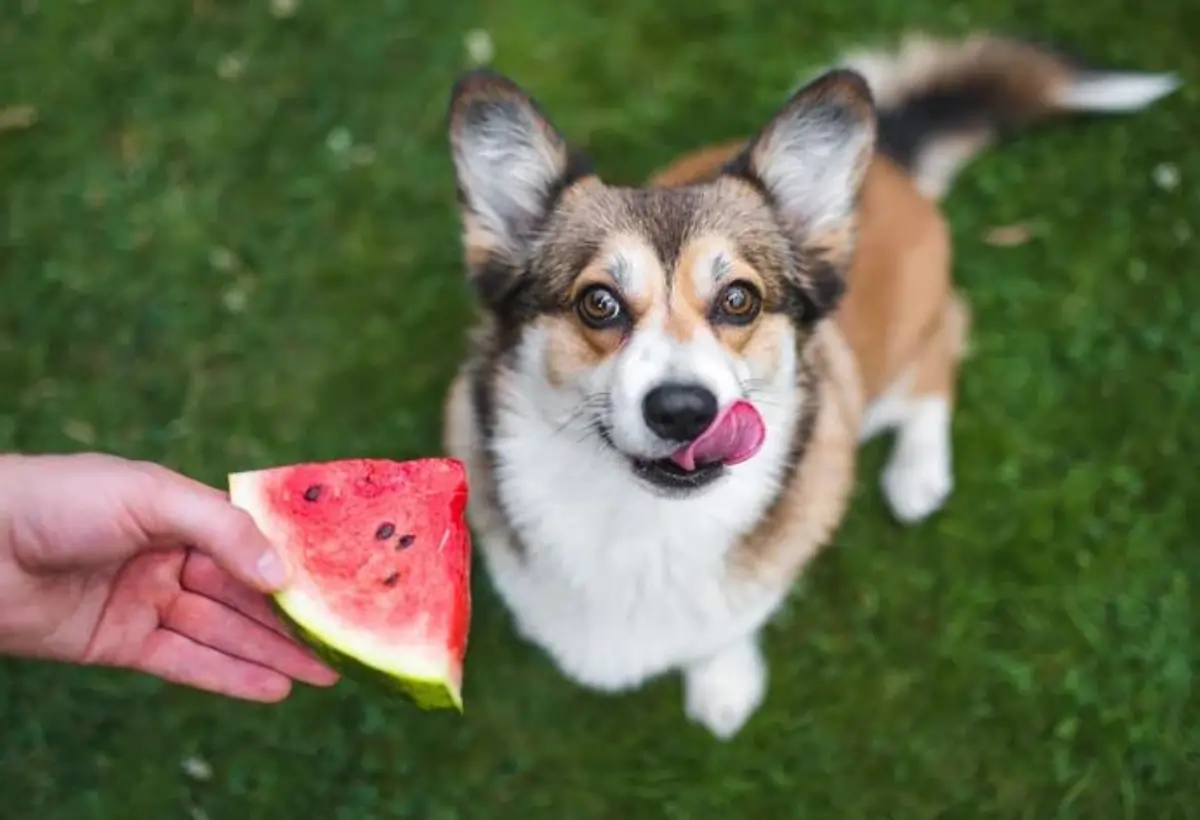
(15, 625)
(9, 482)
(15, 501)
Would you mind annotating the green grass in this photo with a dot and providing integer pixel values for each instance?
(229, 240)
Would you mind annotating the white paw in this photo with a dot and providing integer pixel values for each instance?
(722, 692)
(917, 481)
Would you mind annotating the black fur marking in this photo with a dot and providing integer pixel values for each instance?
(513, 296)
(578, 166)
(962, 104)
(957, 107)
(495, 283)
(795, 303)
(484, 406)
(814, 297)
(828, 286)
(806, 303)
(740, 168)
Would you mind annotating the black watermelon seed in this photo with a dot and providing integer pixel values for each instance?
(312, 493)
(385, 531)
(391, 580)
(407, 540)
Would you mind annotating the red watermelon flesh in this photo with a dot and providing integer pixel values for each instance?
(379, 553)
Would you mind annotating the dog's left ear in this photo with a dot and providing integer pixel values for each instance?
(510, 162)
(810, 160)
(812, 156)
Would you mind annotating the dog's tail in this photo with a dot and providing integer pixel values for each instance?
(941, 102)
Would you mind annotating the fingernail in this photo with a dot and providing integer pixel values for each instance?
(271, 569)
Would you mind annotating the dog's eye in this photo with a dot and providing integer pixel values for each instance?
(739, 304)
(599, 307)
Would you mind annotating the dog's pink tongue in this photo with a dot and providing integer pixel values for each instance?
(734, 437)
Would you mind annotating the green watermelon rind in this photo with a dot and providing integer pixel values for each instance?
(428, 694)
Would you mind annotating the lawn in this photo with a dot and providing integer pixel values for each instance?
(229, 240)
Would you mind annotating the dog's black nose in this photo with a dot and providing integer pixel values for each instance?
(679, 412)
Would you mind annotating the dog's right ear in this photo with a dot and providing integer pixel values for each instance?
(811, 158)
(510, 165)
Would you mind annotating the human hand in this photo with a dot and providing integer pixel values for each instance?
(128, 564)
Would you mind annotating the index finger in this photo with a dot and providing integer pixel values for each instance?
(182, 509)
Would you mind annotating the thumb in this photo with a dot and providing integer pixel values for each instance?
(183, 510)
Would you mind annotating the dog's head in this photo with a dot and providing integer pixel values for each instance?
(661, 321)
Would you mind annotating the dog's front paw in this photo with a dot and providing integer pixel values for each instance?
(919, 474)
(917, 481)
(722, 692)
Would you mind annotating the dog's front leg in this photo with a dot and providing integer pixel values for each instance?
(723, 690)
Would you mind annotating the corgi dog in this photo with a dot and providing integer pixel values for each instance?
(667, 385)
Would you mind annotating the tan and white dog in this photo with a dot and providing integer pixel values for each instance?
(667, 385)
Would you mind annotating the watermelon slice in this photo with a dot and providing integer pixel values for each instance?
(379, 553)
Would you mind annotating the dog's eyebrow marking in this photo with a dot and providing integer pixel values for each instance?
(620, 268)
(714, 272)
(722, 267)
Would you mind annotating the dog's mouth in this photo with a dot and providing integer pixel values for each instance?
(736, 435)
(665, 474)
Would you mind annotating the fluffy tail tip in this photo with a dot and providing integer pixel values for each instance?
(1115, 91)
